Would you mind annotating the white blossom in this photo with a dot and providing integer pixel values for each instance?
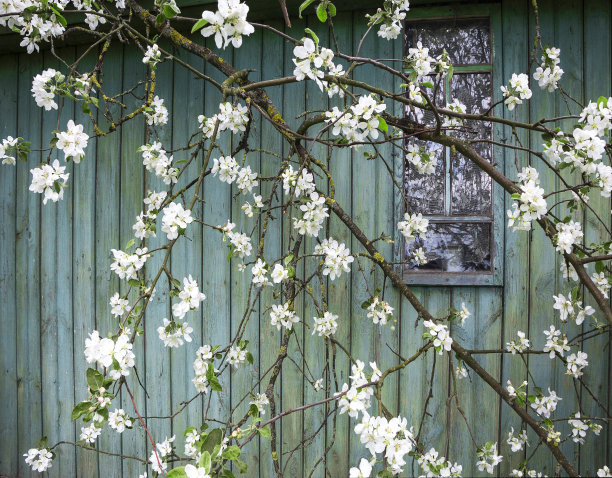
(49, 180)
(228, 23)
(173, 334)
(175, 220)
(119, 421)
(325, 326)
(280, 315)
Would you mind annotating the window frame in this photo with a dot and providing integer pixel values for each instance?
(495, 277)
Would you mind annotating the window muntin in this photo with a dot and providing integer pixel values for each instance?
(458, 198)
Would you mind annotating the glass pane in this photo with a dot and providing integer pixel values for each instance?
(470, 186)
(423, 116)
(474, 91)
(425, 192)
(467, 41)
(458, 247)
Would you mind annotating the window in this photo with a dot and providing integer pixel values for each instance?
(463, 205)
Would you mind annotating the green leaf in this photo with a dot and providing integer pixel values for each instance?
(313, 35)
(134, 282)
(428, 84)
(242, 466)
(205, 461)
(384, 474)
(303, 6)
(199, 24)
(289, 258)
(212, 440)
(53, 142)
(322, 13)
(249, 357)
(94, 379)
(599, 267)
(189, 430)
(85, 108)
(265, 431)
(130, 243)
(59, 16)
(231, 452)
(227, 473)
(79, 409)
(42, 443)
(214, 384)
(331, 9)
(160, 19)
(171, 11)
(382, 124)
(602, 99)
(177, 473)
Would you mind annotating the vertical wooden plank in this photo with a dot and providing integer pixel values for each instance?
(107, 212)
(294, 103)
(131, 190)
(159, 379)
(597, 81)
(272, 63)
(245, 377)
(339, 426)
(27, 274)
(56, 295)
(314, 346)
(84, 259)
(10, 454)
(187, 253)
(216, 269)
(515, 56)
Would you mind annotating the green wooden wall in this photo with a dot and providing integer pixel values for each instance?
(55, 279)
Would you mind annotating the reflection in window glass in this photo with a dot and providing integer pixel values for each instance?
(454, 247)
(467, 41)
(457, 198)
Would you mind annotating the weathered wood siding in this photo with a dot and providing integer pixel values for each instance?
(55, 279)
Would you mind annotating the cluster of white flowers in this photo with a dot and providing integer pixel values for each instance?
(155, 159)
(156, 114)
(191, 438)
(579, 428)
(308, 61)
(395, 13)
(200, 366)
(173, 334)
(314, 215)
(364, 470)
(280, 315)
(228, 23)
(359, 122)
(605, 471)
(126, 265)
(190, 298)
(571, 309)
(520, 345)
(424, 162)
(531, 203)
(576, 364)
(516, 91)
(234, 118)
(90, 433)
(300, 181)
(380, 311)
(152, 56)
(337, 257)
(237, 355)
(555, 342)
(8, 144)
(94, 20)
(249, 209)
(488, 458)
(175, 220)
(164, 451)
(518, 441)
(413, 225)
(119, 420)
(525, 473)
(240, 243)
(44, 86)
(39, 459)
(259, 272)
(325, 326)
(144, 227)
(439, 335)
(279, 274)
(424, 65)
(260, 400)
(597, 116)
(544, 406)
(50, 180)
(356, 398)
(568, 234)
(229, 171)
(602, 282)
(390, 438)
(436, 466)
(154, 201)
(72, 142)
(118, 305)
(549, 72)
(462, 314)
(419, 256)
(116, 356)
(452, 121)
